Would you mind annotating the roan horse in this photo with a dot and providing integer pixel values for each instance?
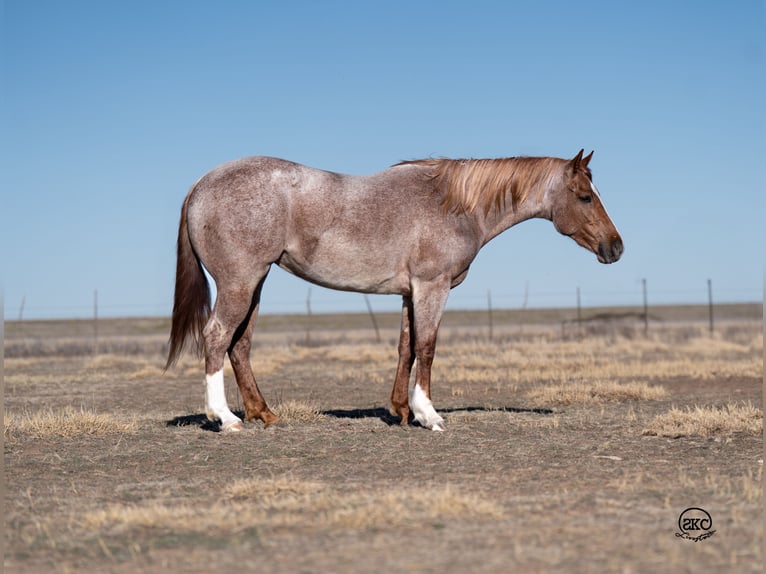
(411, 230)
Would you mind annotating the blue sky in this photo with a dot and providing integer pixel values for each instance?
(111, 110)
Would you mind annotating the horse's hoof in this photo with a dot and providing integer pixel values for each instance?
(235, 426)
(269, 419)
(403, 414)
(438, 427)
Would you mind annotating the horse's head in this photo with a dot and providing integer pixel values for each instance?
(577, 212)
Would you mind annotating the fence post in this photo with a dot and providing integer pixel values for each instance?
(710, 302)
(95, 321)
(372, 317)
(489, 313)
(646, 309)
(21, 314)
(522, 315)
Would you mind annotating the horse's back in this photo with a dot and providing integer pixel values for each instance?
(260, 208)
(360, 233)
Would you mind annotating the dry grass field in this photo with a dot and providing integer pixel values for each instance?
(568, 449)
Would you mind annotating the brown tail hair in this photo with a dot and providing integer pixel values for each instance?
(191, 303)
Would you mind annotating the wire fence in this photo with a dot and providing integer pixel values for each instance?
(322, 301)
(98, 329)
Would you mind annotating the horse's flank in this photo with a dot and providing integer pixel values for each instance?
(486, 184)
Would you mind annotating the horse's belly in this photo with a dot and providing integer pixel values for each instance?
(362, 272)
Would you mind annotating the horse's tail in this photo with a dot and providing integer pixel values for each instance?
(191, 303)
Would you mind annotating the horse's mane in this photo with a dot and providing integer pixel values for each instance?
(469, 184)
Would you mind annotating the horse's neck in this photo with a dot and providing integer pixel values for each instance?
(535, 205)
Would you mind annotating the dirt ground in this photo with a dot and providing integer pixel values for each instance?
(517, 483)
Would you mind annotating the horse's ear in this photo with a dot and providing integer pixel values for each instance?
(577, 160)
(586, 160)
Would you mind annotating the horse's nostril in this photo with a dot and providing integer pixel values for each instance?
(617, 248)
(611, 251)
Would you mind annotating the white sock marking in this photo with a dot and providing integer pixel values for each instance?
(216, 406)
(424, 410)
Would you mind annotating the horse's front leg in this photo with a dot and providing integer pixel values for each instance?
(428, 305)
(400, 405)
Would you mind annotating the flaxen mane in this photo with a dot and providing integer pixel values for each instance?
(468, 184)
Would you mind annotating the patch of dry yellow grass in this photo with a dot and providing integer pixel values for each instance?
(623, 359)
(263, 360)
(16, 379)
(115, 362)
(707, 421)
(292, 411)
(16, 363)
(746, 486)
(7, 425)
(585, 393)
(147, 372)
(64, 371)
(266, 488)
(364, 353)
(67, 423)
(267, 360)
(284, 502)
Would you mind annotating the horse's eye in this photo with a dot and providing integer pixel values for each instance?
(585, 198)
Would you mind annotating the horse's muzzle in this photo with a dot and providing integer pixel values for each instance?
(609, 252)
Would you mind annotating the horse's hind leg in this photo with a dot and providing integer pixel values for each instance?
(233, 306)
(239, 354)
